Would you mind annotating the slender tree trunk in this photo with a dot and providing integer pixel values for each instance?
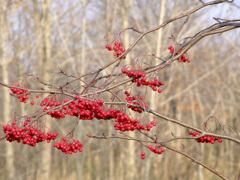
(194, 119)
(112, 165)
(130, 165)
(42, 17)
(200, 169)
(79, 159)
(154, 97)
(4, 60)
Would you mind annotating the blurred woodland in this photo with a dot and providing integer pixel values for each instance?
(40, 37)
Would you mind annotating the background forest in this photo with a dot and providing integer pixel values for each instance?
(39, 36)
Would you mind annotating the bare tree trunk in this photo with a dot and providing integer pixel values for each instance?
(154, 97)
(42, 17)
(6, 96)
(111, 164)
(79, 159)
(200, 169)
(194, 119)
(160, 31)
(46, 151)
(130, 164)
(111, 156)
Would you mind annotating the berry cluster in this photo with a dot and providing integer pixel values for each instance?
(131, 99)
(117, 47)
(204, 139)
(22, 94)
(69, 147)
(182, 59)
(142, 155)
(156, 149)
(150, 125)
(126, 124)
(88, 110)
(84, 109)
(28, 135)
(139, 77)
(51, 103)
(134, 73)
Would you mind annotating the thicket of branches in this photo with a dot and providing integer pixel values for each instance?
(132, 97)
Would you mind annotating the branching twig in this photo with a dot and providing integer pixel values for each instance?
(166, 146)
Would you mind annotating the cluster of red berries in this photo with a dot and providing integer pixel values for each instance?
(117, 47)
(139, 77)
(84, 109)
(51, 103)
(182, 59)
(28, 135)
(142, 155)
(131, 99)
(134, 73)
(126, 124)
(156, 149)
(151, 124)
(204, 139)
(22, 94)
(153, 84)
(88, 110)
(69, 147)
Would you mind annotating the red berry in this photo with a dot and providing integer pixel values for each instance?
(149, 147)
(32, 102)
